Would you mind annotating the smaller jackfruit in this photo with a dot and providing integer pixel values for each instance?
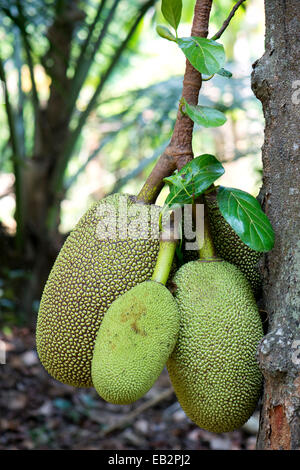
(213, 366)
(231, 248)
(136, 337)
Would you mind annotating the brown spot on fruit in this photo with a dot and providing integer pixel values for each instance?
(137, 330)
(124, 317)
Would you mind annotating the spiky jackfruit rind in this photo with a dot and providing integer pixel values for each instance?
(135, 339)
(213, 368)
(88, 275)
(230, 247)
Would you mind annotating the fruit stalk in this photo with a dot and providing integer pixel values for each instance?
(179, 151)
(167, 247)
(206, 248)
(203, 236)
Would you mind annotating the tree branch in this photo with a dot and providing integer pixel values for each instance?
(179, 151)
(227, 21)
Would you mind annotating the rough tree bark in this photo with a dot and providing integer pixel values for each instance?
(275, 80)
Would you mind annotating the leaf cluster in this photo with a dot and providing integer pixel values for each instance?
(239, 208)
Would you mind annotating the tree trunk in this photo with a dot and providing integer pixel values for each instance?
(275, 82)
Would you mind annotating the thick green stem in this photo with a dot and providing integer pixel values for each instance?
(204, 239)
(164, 261)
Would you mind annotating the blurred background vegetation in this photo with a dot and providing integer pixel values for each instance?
(88, 99)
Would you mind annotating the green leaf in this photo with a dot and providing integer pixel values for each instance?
(165, 33)
(171, 9)
(224, 73)
(244, 214)
(206, 55)
(193, 179)
(205, 116)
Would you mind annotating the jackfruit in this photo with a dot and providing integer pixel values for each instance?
(213, 367)
(89, 273)
(135, 339)
(230, 247)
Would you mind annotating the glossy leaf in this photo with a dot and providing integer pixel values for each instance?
(244, 214)
(206, 55)
(193, 179)
(171, 10)
(205, 116)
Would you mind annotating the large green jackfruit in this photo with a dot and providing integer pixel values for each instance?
(213, 367)
(230, 247)
(135, 339)
(89, 273)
